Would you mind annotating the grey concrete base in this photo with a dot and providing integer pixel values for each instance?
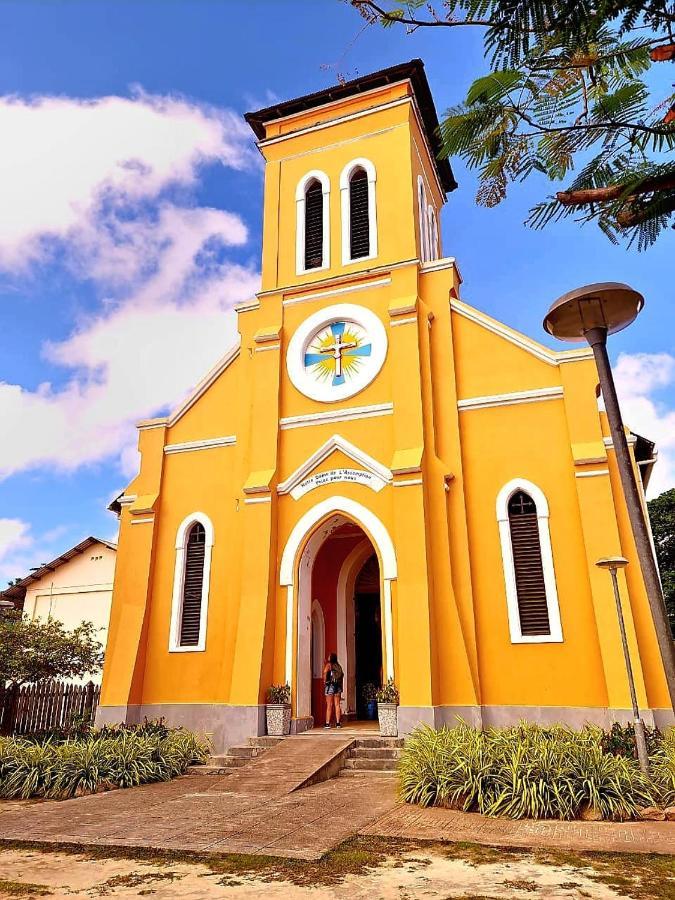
(664, 718)
(222, 724)
(306, 723)
(409, 717)
(501, 716)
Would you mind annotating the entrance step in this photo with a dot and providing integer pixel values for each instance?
(375, 753)
(377, 742)
(372, 765)
(236, 757)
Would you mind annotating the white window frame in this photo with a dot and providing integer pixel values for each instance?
(424, 233)
(300, 207)
(345, 209)
(179, 581)
(537, 495)
(319, 645)
(433, 232)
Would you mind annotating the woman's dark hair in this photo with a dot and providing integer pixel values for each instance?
(333, 657)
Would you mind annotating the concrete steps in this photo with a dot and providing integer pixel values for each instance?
(235, 757)
(363, 755)
(374, 754)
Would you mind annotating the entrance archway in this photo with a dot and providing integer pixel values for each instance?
(355, 536)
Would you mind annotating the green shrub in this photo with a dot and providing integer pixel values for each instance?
(620, 740)
(105, 759)
(279, 693)
(522, 772)
(662, 769)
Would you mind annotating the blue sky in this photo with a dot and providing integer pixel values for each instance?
(97, 254)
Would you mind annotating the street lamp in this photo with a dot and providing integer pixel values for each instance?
(613, 563)
(590, 313)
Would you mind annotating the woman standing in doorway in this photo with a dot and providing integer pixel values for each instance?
(333, 677)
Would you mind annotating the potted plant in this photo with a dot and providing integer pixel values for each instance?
(387, 706)
(278, 710)
(368, 695)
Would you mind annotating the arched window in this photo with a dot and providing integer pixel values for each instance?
(433, 234)
(313, 226)
(194, 542)
(312, 222)
(358, 209)
(318, 640)
(532, 600)
(423, 223)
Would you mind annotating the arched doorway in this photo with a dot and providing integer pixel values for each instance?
(346, 616)
(323, 557)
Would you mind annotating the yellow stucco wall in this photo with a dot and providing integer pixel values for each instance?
(451, 639)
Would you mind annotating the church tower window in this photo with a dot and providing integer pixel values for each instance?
(313, 226)
(423, 221)
(194, 542)
(312, 223)
(522, 513)
(359, 212)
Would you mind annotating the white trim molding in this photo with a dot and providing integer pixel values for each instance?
(422, 217)
(347, 289)
(337, 415)
(512, 399)
(300, 207)
(552, 357)
(204, 384)
(179, 578)
(318, 640)
(325, 391)
(591, 473)
(334, 444)
(206, 444)
(517, 637)
(345, 209)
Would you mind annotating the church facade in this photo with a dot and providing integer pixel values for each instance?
(378, 469)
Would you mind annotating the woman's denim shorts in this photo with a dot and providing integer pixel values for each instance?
(331, 689)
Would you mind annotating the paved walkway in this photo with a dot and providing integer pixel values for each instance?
(436, 824)
(258, 809)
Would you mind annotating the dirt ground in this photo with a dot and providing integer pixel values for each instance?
(372, 869)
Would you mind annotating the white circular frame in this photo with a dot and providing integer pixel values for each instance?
(297, 347)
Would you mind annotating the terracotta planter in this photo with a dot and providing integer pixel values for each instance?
(278, 719)
(387, 714)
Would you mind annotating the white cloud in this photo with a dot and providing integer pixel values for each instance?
(639, 376)
(106, 184)
(67, 165)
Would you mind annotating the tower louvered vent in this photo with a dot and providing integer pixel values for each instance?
(529, 571)
(314, 226)
(193, 582)
(359, 238)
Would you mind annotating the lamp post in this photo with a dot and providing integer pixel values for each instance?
(613, 563)
(590, 313)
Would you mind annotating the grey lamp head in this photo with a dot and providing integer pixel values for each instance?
(608, 304)
(612, 562)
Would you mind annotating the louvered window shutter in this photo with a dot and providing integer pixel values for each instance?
(314, 226)
(529, 571)
(359, 237)
(190, 619)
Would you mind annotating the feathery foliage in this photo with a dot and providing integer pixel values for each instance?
(566, 93)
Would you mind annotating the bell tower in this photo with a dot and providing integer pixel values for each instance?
(352, 179)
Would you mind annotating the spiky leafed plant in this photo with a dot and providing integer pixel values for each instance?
(566, 93)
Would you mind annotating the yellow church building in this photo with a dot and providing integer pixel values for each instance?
(378, 469)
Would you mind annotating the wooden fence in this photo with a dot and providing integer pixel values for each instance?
(39, 707)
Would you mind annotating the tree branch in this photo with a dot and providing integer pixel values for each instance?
(615, 191)
(425, 23)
